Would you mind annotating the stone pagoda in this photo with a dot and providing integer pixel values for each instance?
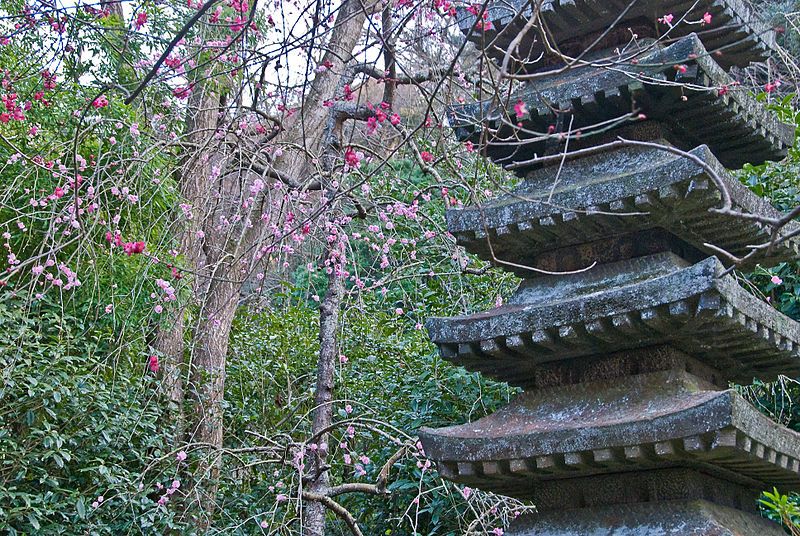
(627, 333)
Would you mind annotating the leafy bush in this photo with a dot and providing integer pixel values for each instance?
(392, 383)
(74, 425)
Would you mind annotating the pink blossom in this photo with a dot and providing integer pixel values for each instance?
(398, 311)
(133, 248)
(521, 109)
(181, 456)
(281, 497)
(351, 158)
(707, 18)
(342, 358)
(100, 102)
(182, 92)
(426, 156)
(152, 363)
(141, 20)
(372, 125)
(466, 492)
(776, 280)
(769, 87)
(264, 524)
(667, 19)
(498, 532)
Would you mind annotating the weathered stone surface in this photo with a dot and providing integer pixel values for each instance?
(620, 365)
(736, 33)
(643, 302)
(645, 485)
(599, 197)
(680, 518)
(677, 86)
(642, 423)
(627, 426)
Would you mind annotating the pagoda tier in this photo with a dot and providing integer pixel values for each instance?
(570, 436)
(680, 86)
(565, 218)
(735, 35)
(653, 300)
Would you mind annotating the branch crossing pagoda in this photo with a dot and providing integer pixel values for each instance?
(627, 425)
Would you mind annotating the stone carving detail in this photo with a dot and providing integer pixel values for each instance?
(626, 425)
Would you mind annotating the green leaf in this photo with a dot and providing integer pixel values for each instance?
(80, 506)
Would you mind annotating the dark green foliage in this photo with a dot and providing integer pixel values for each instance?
(779, 182)
(394, 381)
(74, 425)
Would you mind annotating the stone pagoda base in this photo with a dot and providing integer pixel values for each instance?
(677, 518)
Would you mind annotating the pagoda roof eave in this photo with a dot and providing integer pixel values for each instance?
(679, 86)
(736, 32)
(611, 193)
(642, 302)
(646, 422)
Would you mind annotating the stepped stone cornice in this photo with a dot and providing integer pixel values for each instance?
(599, 197)
(642, 302)
(735, 33)
(645, 422)
(680, 86)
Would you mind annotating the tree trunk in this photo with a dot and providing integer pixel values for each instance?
(314, 513)
(208, 358)
(195, 188)
(169, 343)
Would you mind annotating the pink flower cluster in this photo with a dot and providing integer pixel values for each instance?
(141, 20)
(13, 111)
(483, 23)
(100, 102)
(56, 280)
(379, 116)
(130, 248)
(352, 158)
(176, 484)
